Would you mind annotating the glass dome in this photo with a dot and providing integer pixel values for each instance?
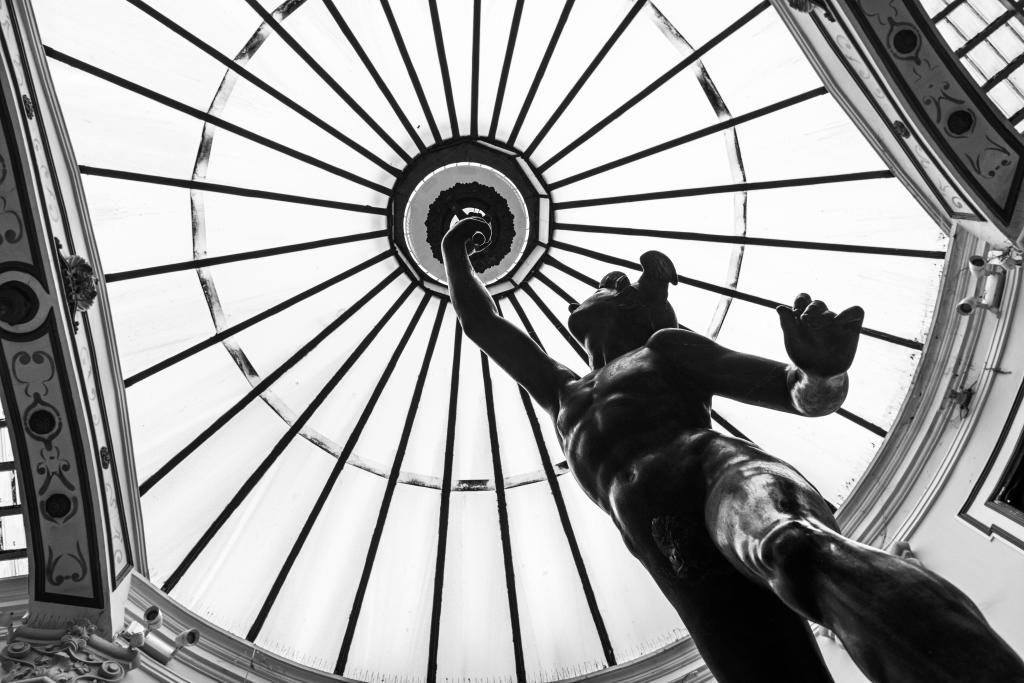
(328, 468)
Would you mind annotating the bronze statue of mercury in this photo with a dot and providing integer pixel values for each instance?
(743, 546)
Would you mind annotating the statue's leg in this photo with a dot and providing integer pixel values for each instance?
(745, 634)
(898, 621)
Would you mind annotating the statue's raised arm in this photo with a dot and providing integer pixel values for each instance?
(820, 343)
(503, 342)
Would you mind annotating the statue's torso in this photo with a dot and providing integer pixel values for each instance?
(640, 408)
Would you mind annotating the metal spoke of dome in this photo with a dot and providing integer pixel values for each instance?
(234, 65)
(282, 443)
(541, 69)
(219, 122)
(729, 427)
(332, 478)
(372, 70)
(265, 383)
(241, 256)
(474, 90)
(556, 494)
(743, 296)
(594, 63)
(749, 241)
(861, 422)
(553, 286)
(442, 59)
(569, 270)
(690, 137)
(506, 541)
(331, 82)
(657, 83)
(229, 189)
(252, 320)
(396, 468)
(554, 320)
(499, 98)
(723, 189)
(444, 508)
(417, 86)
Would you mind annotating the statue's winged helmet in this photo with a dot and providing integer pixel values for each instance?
(648, 296)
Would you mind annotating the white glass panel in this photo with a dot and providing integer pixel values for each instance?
(701, 163)
(248, 288)
(535, 29)
(708, 213)
(233, 575)
(873, 212)
(619, 77)
(379, 440)
(474, 602)
(331, 562)
(748, 67)
(456, 20)
(113, 128)
(138, 224)
(211, 475)
(495, 24)
(369, 25)
(171, 408)
(589, 26)
(428, 439)
(144, 52)
(413, 17)
(392, 637)
(814, 138)
(157, 317)
(551, 599)
(8, 486)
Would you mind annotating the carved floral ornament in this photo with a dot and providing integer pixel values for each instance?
(71, 655)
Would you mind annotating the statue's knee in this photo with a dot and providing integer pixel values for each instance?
(790, 547)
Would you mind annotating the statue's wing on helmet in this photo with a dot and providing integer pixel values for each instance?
(658, 274)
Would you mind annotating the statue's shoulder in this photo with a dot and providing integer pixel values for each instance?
(679, 338)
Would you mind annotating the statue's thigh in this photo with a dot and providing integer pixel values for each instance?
(749, 494)
(746, 634)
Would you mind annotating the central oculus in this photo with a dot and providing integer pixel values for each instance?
(464, 178)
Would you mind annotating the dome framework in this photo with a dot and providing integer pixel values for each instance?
(418, 355)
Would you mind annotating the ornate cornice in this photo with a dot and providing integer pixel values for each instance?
(74, 654)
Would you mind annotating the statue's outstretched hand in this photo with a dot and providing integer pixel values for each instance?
(471, 234)
(818, 341)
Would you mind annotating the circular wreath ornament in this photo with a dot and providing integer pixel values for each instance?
(472, 198)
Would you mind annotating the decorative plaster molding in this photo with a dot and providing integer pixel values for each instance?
(70, 442)
(74, 654)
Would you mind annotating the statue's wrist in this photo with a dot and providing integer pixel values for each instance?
(837, 379)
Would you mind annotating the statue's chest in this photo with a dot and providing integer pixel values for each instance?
(626, 389)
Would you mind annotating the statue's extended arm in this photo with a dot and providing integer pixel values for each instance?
(820, 343)
(503, 342)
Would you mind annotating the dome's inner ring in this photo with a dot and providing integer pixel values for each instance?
(470, 177)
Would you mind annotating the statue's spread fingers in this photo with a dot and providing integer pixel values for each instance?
(814, 310)
(787, 318)
(850, 318)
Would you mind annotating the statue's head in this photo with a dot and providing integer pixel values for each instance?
(623, 312)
